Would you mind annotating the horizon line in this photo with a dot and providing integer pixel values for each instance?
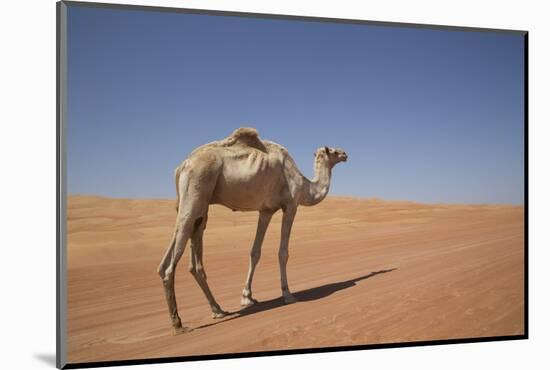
(358, 198)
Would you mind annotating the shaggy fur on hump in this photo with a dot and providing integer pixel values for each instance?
(247, 136)
(242, 132)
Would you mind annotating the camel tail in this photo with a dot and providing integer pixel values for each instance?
(177, 173)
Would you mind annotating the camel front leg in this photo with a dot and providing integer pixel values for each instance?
(288, 219)
(255, 253)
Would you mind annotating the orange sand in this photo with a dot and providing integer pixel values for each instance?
(365, 271)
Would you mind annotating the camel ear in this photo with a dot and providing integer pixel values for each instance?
(326, 150)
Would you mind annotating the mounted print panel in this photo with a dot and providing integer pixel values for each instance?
(235, 185)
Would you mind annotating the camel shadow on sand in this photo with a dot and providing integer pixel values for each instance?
(306, 295)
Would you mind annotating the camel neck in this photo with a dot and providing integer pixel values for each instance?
(317, 189)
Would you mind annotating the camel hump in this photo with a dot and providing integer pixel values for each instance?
(247, 136)
(245, 133)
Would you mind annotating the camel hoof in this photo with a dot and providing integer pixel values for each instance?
(290, 299)
(181, 330)
(219, 314)
(248, 301)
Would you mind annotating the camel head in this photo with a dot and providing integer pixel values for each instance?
(332, 156)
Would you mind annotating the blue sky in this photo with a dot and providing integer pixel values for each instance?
(424, 115)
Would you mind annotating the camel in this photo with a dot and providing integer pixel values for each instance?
(244, 173)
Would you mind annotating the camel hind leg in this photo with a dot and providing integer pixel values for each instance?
(167, 271)
(191, 208)
(195, 185)
(196, 267)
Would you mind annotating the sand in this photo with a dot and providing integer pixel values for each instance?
(364, 271)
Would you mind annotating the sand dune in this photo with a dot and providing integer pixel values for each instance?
(365, 271)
